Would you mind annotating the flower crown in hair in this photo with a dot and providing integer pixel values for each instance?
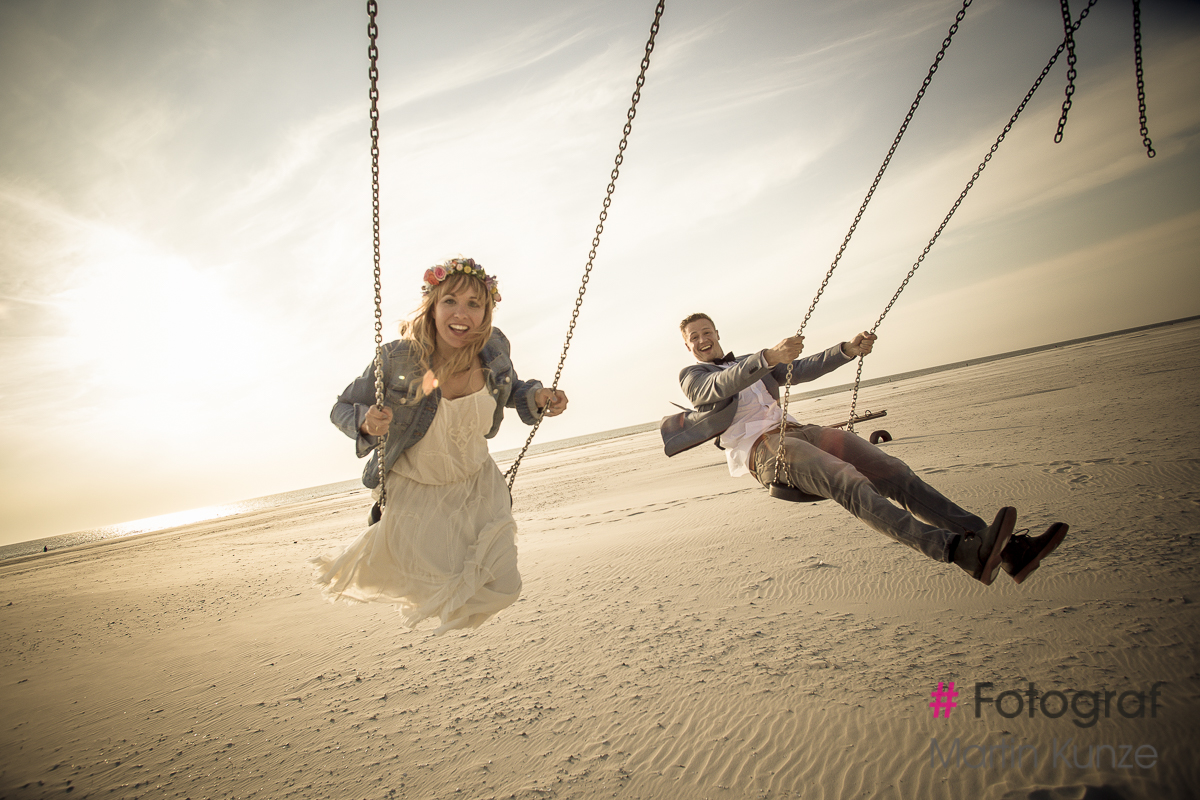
(435, 275)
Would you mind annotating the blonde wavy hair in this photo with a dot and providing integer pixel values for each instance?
(421, 329)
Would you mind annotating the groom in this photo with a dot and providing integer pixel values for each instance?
(737, 399)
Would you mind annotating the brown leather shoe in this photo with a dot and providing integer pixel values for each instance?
(1025, 553)
(979, 553)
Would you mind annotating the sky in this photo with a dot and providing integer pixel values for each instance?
(185, 210)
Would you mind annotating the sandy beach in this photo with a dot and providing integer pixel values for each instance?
(680, 634)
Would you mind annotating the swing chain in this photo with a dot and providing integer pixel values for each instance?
(1141, 84)
(511, 474)
(912, 110)
(373, 72)
(958, 202)
(1069, 32)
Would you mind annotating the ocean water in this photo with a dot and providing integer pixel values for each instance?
(175, 519)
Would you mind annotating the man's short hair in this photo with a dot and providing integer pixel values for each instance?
(690, 318)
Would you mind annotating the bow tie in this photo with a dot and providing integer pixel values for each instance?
(726, 359)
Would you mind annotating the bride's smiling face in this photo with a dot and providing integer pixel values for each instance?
(458, 315)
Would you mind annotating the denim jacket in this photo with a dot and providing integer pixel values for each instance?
(715, 390)
(412, 416)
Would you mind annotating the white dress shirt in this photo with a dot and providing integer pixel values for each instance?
(757, 413)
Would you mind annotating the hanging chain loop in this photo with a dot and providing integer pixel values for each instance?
(962, 196)
(373, 56)
(912, 110)
(1069, 41)
(1141, 84)
(511, 474)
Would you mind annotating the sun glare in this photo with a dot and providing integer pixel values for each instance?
(164, 521)
(143, 317)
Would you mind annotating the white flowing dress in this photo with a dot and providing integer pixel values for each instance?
(445, 548)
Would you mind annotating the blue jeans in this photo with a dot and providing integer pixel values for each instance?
(861, 478)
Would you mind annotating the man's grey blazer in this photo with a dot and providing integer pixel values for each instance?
(714, 390)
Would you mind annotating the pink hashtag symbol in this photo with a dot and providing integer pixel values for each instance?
(943, 700)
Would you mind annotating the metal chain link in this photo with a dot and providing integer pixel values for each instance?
(1069, 32)
(787, 386)
(1141, 84)
(962, 196)
(373, 56)
(511, 474)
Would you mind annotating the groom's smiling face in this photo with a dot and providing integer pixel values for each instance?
(702, 340)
